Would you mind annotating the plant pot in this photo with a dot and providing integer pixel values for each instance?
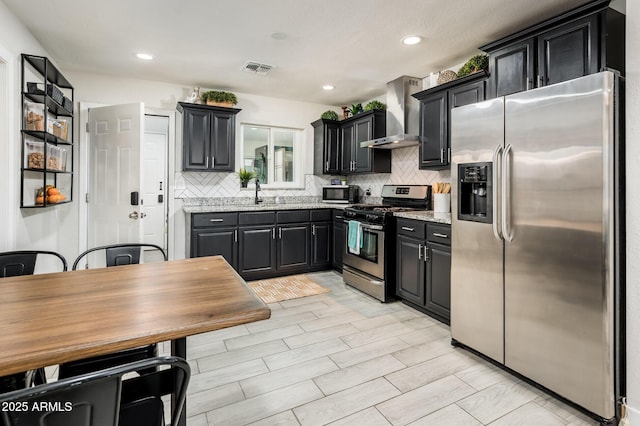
(220, 104)
(243, 184)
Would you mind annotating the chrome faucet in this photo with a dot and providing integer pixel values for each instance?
(258, 200)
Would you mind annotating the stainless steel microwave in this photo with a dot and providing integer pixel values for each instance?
(345, 194)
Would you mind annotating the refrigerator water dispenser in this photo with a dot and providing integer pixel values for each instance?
(475, 192)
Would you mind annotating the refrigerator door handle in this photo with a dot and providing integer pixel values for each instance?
(497, 199)
(506, 194)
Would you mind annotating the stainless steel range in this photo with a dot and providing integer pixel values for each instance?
(365, 265)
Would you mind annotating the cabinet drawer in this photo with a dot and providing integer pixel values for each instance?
(293, 216)
(411, 228)
(337, 215)
(439, 234)
(214, 219)
(320, 215)
(257, 218)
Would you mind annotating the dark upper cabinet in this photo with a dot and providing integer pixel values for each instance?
(337, 147)
(435, 106)
(208, 137)
(326, 141)
(579, 42)
(321, 244)
(568, 51)
(433, 131)
(512, 69)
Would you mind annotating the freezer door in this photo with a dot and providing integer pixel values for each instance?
(558, 265)
(476, 254)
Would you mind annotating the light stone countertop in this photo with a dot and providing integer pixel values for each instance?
(427, 216)
(259, 207)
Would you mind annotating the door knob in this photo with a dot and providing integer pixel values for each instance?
(133, 215)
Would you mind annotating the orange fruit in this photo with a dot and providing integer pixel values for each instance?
(53, 191)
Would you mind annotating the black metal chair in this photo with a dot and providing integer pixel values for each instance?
(121, 254)
(23, 262)
(103, 398)
(116, 255)
(12, 264)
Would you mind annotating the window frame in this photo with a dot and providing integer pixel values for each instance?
(298, 156)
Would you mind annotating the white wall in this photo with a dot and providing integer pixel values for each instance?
(22, 228)
(633, 208)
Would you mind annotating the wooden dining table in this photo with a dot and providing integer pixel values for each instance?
(48, 319)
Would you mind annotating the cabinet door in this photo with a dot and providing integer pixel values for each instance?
(433, 131)
(338, 244)
(438, 294)
(257, 249)
(569, 51)
(321, 243)
(332, 149)
(511, 69)
(346, 147)
(362, 156)
(214, 242)
(410, 273)
(466, 94)
(223, 141)
(196, 139)
(293, 246)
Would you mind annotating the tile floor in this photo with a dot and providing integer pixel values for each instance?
(343, 358)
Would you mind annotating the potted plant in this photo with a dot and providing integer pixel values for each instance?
(475, 64)
(375, 105)
(219, 98)
(329, 115)
(245, 176)
(355, 109)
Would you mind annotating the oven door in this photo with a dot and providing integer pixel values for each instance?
(371, 257)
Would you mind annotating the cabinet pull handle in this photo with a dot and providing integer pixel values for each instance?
(327, 167)
(216, 220)
(528, 83)
(280, 232)
(406, 228)
(426, 253)
(313, 230)
(419, 251)
(437, 234)
(235, 235)
(339, 217)
(273, 233)
(442, 155)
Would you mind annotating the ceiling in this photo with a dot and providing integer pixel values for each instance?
(354, 45)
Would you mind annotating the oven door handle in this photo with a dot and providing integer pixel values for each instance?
(372, 227)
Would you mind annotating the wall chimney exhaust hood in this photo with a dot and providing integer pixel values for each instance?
(403, 115)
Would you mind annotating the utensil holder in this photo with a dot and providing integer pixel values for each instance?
(441, 203)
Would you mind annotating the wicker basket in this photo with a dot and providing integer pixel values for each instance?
(446, 76)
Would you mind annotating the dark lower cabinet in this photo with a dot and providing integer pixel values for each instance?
(293, 247)
(214, 242)
(423, 267)
(438, 290)
(264, 244)
(321, 244)
(257, 250)
(410, 269)
(338, 243)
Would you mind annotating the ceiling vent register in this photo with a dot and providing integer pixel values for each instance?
(256, 67)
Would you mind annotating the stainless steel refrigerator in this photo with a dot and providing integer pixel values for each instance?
(535, 250)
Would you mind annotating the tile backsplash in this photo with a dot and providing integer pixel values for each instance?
(404, 170)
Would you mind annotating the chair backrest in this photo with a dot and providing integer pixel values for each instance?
(23, 262)
(121, 254)
(103, 398)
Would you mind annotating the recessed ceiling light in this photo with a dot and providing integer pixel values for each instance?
(328, 87)
(144, 56)
(411, 40)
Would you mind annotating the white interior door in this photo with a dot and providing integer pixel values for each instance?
(116, 133)
(154, 181)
